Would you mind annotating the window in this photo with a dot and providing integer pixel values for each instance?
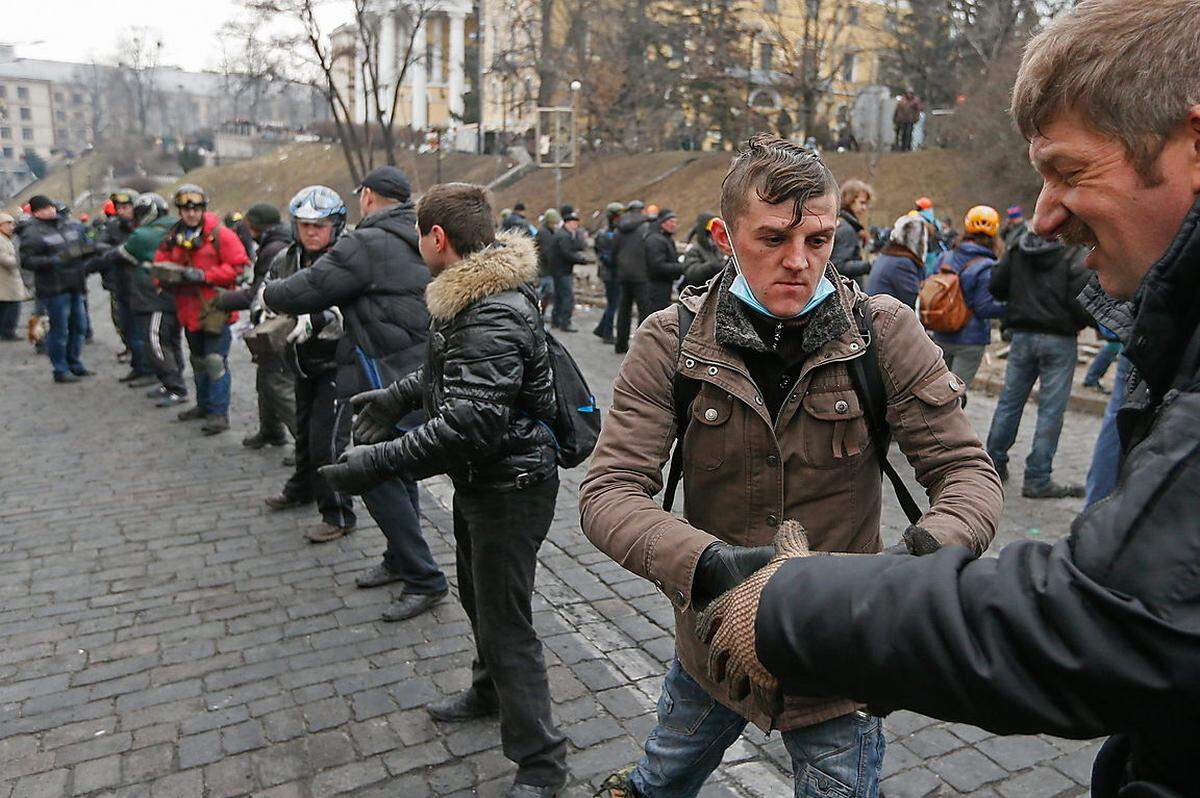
(22, 93)
(852, 15)
(58, 96)
(26, 114)
(8, 152)
(814, 7)
(76, 98)
(848, 67)
(27, 133)
(5, 132)
(766, 54)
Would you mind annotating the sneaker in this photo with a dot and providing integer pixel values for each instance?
(617, 785)
(192, 414)
(157, 393)
(327, 532)
(1053, 490)
(462, 706)
(285, 502)
(215, 424)
(170, 400)
(259, 439)
(66, 376)
(377, 576)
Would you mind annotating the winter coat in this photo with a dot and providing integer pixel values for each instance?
(630, 248)
(114, 233)
(220, 256)
(486, 384)
(847, 246)
(662, 266)
(1097, 634)
(136, 254)
(375, 275)
(317, 355)
(567, 250)
(517, 221)
(274, 239)
(12, 287)
(896, 272)
(1040, 281)
(56, 251)
(700, 264)
(973, 281)
(606, 251)
(544, 245)
(745, 471)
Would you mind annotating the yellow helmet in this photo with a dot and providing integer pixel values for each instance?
(982, 219)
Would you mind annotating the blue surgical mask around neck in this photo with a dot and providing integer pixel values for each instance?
(741, 289)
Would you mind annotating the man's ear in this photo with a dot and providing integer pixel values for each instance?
(440, 241)
(1193, 125)
(721, 236)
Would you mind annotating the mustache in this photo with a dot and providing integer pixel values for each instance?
(1076, 234)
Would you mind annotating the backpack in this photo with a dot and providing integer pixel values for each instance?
(868, 385)
(940, 302)
(576, 424)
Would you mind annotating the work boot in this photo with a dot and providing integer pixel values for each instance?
(215, 424)
(378, 576)
(260, 439)
(1053, 490)
(285, 502)
(66, 376)
(170, 400)
(462, 706)
(327, 532)
(617, 785)
(192, 414)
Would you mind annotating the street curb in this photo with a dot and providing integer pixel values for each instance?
(1080, 402)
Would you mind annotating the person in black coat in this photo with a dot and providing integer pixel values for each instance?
(629, 253)
(488, 388)
(662, 260)
(376, 278)
(1097, 634)
(567, 251)
(847, 255)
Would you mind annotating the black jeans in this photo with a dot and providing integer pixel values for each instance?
(10, 314)
(278, 397)
(161, 334)
(631, 292)
(321, 435)
(498, 534)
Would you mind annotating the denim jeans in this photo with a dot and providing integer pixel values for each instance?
(564, 300)
(1033, 357)
(1106, 457)
(840, 758)
(126, 323)
(963, 360)
(612, 298)
(1100, 363)
(64, 341)
(209, 355)
(395, 506)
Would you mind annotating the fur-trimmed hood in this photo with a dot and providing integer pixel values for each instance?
(507, 264)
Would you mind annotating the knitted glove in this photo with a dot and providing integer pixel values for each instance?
(727, 627)
(376, 415)
(916, 541)
(356, 471)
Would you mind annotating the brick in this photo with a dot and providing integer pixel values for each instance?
(229, 777)
(1017, 752)
(52, 784)
(96, 774)
(914, 783)
(200, 749)
(242, 737)
(1041, 782)
(93, 749)
(348, 778)
(967, 770)
(286, 724)
(281, 763)
(189, 784)
(326, 714)
(417, 756)
(147, 763)
(328, 749)
(760, 780)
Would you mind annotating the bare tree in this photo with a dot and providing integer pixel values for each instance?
(133, 87)
(250, 66)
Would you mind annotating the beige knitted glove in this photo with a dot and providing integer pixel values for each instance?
(727, 626)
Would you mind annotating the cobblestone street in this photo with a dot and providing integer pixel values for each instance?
(162, 634)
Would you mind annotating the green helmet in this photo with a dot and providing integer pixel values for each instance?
(614, 208)
(123, 196)
(551, 217)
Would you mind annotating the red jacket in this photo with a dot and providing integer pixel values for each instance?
(221, 261)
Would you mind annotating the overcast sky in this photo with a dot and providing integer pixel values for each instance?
(80, 30)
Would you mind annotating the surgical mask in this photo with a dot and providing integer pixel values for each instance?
(741, 289)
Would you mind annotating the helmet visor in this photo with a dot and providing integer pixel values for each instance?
(190, 199)
(315, 204)
(122, 198)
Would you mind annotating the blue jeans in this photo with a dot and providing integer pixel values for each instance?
(209, 355)
(612, 298)
(840, 758)
(564, 300)
(1033, 357)
(1106, 457)
(64, 341)
(123, 317)
(1100, 363)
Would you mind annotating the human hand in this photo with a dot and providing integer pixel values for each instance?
(302, 331)
(727, 626)
(723, 566)
(355, 472)
(193, 275)
(334, 326)
(376, 415)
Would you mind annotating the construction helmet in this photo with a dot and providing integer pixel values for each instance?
(190, 195)
(148, 207)
(614, 209)
(924, 203)
(982, 219)
(109, 208)
(652, 211)
(315, 204)
(123, 196)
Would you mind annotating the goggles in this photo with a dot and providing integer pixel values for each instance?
(190, 199)
(122, 198)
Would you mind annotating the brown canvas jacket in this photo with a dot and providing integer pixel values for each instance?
(744, 473)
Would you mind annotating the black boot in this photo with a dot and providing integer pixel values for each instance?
(462, 706)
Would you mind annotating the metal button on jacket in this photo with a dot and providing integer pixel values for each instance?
(772, 520)
(772, 460)
(953, 384)
(842, 406)
(711, 414)
(712, 371)
(689, 362)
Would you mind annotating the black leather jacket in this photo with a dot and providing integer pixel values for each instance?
(486, 385)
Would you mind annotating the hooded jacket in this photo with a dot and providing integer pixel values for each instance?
(847, 246)
(56, 251)
(135, 253)
(747, 469)
(220, 255)
(1040, 281)
(375, 275)
(1097, 634)
(897, 272)
(275, 239)
(978, 261)
(486, 385)
(629, 251)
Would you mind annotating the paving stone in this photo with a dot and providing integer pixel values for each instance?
(326, 714)
(1077, 765)
(189, 784)
(51, 784)
(931, 742)
(242, 737)
(1017, 752)
(229, 777)
(913, 783)
(1041, 782)
(966, 770)
(595, 730)
(200, 749)
(347, 778)
(96, 774)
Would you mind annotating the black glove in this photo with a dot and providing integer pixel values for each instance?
(915, 541)
(376, 415)
(356, 471)
(723, 567)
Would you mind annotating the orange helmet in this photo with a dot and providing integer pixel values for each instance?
(109, 208)
(83, 217)
(652, 211)
(982, 219)
(924, 203)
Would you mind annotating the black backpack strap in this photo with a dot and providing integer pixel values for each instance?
(868, 384)
(683, 392)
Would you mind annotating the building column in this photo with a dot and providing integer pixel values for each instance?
(457, 54)
(420, 81)
(387, 53)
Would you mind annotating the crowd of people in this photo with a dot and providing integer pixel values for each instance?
(773, 363)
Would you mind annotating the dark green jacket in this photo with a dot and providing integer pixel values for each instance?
(137, 253)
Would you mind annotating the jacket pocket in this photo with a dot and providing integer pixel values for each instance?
(932, 398)
(833, 429)
(707, 436)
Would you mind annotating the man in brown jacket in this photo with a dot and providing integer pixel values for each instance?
(776, 431)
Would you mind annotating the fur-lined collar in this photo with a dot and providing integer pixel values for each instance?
(502, 266)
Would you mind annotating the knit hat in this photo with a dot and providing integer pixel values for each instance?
(1015, 212)
(39, 201)
(910, 232)
(263, 214)
(551, 217)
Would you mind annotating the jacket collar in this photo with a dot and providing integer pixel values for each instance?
(1168, 308)
(505, 265)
